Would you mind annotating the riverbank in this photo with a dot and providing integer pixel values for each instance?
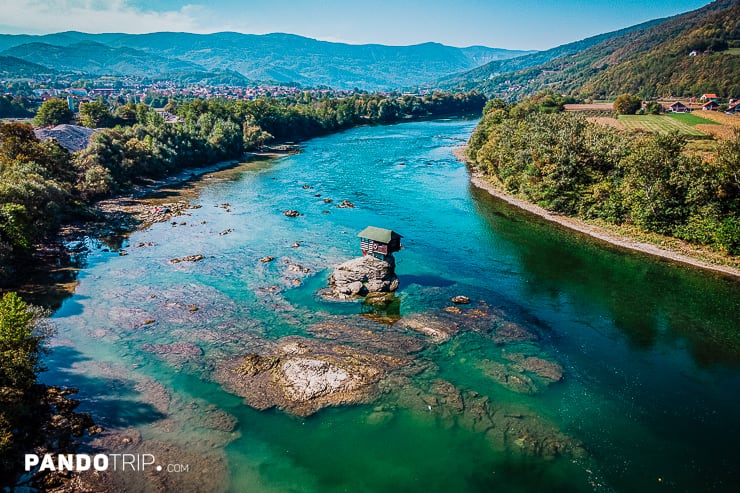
(602, 234)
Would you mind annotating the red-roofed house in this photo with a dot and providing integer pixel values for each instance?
(710, 106)
(708, 97)
(734, 108)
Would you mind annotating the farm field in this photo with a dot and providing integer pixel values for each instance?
(661, 124)
(723, 118)
(692, 119)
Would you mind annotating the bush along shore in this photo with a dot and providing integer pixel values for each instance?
(43, 185)
(34, 418)
(642, 184)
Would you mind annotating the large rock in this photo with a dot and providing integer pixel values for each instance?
(363, 275)
(301, 376)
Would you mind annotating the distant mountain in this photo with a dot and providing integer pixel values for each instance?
(89, 57)
(275, 57)
(649, 59)
(17, 68)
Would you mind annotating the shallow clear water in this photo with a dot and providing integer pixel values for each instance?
(650, 350)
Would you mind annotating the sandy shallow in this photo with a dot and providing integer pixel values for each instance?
(602, 234)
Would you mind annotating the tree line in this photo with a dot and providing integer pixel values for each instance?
(566, 164)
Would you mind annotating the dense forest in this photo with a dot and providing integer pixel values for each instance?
(41, 184)
(566, 164)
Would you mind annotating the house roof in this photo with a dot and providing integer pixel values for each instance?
(677, 103)
(709, 103)
(709, 95)
(380, 235)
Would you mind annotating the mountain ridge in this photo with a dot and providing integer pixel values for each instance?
(281, 56)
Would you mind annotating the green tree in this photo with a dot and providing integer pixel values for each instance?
(627, 104)
(19, 347)
(33, 417)
(652, 193)
(126, 114)
(95, 114)
(53, 112)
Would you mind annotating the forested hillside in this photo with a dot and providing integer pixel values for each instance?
(653, 59)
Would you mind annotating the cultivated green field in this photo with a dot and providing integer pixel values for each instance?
(661, 124)
(692, 119)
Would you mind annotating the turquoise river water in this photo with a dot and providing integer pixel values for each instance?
(649, 350)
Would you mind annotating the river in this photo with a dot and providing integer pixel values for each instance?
(649, 350)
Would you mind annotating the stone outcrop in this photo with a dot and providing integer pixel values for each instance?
(301, 376)
(188, 258)
(363, 275)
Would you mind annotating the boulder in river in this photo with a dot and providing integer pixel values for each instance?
(301, 376)
(363, 275)
(461, 300)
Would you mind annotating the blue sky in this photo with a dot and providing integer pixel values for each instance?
(514, 24)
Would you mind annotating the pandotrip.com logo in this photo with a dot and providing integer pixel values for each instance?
(100, 462)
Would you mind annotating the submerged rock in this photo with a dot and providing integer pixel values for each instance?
(291, 213)
(363, 275)
(510, 428)
(523, 374)
(188, 258)
(346, 204)
(183, 348)
(437, 330)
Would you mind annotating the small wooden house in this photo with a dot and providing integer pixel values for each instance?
(710, 106)
(379, 242)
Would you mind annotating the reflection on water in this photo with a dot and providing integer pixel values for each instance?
(574, 368)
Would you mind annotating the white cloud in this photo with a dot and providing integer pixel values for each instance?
(96, 16)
